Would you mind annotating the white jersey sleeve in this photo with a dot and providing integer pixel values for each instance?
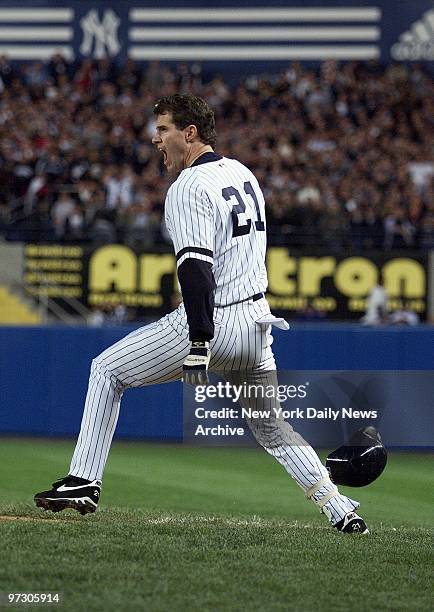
(190, 221)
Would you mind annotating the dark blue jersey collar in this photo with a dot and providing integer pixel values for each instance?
(209, 156)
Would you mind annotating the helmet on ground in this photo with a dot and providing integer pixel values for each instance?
(360, 461)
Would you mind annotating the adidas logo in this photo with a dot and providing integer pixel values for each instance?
(418, 42)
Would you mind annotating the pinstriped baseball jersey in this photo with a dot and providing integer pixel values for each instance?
(215, 212)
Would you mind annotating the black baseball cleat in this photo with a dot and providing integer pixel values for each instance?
(70, 492)
(352, 523)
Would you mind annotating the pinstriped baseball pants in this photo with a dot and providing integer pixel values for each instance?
(155, 353)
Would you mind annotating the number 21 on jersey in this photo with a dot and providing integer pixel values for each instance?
(237, 209)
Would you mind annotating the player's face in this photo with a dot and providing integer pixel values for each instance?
(171, 142)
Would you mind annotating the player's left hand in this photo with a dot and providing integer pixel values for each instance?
(196, 364)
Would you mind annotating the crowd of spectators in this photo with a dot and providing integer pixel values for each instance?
(344, 153)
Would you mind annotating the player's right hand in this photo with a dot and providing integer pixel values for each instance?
(196, 364)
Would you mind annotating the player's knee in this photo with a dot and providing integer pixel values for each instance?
(98, 365)
(273, 432)
(103, 367)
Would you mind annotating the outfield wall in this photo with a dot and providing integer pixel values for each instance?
(44, 372)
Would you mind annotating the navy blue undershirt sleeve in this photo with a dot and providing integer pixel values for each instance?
(198, 287)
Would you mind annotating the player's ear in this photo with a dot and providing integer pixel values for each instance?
(190, 133)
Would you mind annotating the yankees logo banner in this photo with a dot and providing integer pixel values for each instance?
(245, 36)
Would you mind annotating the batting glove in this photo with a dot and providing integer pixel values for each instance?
(196, 364)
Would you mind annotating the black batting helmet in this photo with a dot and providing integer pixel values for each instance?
(360, 461)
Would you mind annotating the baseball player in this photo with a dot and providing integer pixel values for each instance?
(215, 214)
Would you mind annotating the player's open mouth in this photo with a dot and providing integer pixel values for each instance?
(164, 155)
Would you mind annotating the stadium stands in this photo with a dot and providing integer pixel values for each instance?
(344, 153)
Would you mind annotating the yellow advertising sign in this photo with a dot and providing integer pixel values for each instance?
(115, 274)
(296, 280)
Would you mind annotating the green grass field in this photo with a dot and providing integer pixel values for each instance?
(189, 529)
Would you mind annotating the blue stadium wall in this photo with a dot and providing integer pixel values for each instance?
(44, 373)
(243, 36)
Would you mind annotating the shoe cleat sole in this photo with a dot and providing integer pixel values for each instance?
(57, 505)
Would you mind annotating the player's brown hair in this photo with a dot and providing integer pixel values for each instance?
(189, 110)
